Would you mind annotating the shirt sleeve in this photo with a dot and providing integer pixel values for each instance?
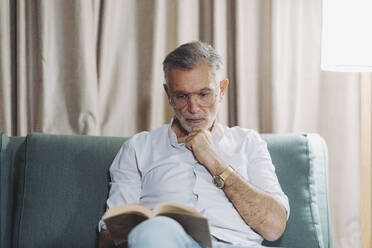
(261, 171)
(125, 180)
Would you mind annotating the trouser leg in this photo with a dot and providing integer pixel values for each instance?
(160, 232)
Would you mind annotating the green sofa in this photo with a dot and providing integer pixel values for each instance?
(54, 188)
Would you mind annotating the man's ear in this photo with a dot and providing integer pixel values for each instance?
(223, 88)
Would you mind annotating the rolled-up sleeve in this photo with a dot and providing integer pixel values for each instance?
(261, 171)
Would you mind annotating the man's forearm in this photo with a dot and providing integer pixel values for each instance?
(259, 210)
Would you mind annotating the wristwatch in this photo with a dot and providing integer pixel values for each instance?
(219, 180)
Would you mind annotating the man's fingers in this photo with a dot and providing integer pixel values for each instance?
(189, 139)
(189, 146)
(192, 135)
(196, 129)
(189, 143)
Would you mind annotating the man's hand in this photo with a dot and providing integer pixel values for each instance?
(201, 144)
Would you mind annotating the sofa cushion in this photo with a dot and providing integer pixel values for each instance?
(300, 162)
(64, 189)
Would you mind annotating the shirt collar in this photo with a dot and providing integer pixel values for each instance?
(172, 136)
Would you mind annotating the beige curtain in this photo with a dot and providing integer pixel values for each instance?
(94, 67)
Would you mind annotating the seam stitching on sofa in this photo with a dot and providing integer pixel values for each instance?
(327, 197)
(23, 192)
(308, 185)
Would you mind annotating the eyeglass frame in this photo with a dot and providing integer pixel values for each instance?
(188, 95)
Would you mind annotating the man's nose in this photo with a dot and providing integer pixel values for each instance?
(192, 104)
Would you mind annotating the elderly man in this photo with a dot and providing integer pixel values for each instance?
(225, 173)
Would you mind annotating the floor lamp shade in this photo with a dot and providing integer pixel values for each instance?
(347, 35)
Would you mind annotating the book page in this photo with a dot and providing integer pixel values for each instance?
(129, 208)
(175, 208)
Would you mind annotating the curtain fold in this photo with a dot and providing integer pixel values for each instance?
(94, 67)
(8, 97)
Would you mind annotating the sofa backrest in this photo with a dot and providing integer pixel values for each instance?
(62, 189)
(61, 183)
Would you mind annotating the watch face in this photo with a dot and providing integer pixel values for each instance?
(218, 182)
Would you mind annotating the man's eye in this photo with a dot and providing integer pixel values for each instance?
(181, 96)
(203, 94)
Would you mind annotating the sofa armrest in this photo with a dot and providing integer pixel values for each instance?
(301, 164)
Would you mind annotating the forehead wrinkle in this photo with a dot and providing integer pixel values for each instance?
(202, 77)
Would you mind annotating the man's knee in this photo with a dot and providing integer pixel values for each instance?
(157, 231)
(159, 224)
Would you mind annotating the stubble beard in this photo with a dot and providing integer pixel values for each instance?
(207, 123)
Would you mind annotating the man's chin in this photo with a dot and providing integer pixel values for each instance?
(193, 125)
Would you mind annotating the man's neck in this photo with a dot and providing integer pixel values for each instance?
(180, 132)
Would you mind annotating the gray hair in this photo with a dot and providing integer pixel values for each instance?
(189, 55)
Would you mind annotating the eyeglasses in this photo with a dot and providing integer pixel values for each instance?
(205, 99)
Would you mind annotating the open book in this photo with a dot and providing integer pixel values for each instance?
(122, 219)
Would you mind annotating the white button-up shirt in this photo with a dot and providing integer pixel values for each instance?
(152, 168)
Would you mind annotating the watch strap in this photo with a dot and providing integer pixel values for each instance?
(226, 173)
